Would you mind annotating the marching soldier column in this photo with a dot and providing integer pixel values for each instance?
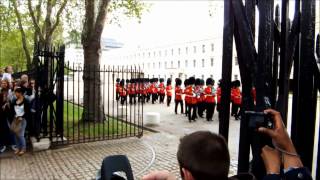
(198, 98)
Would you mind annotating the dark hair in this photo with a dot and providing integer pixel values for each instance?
(18, 90)
(205, 155)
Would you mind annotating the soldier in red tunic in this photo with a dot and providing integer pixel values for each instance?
(148, 88)
(117, 89)
(132, 91)
(169, 91)
(237, 99)
(192, 98)
(186, 98)
(200, 97)
(162, 91)
(122, 92)
(210, 100)
(178, 96)
(154, 90)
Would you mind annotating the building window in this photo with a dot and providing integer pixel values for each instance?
(202, 62)
(160, 53)
(194, 63)
(149, 54)
(154, 65)
(194, 49)
(203, 48)
(143, 54)
(187, 50)
(186, 63)
(171, 64)
(148, 65)
(172, 52)
(236, 61)
(212, 47)
(211, 62)
(211, 76)
(178, 64)
(159, 65)
(165, 53)
(165, 64)
(154, 54)
(202, 76)
(179, 51)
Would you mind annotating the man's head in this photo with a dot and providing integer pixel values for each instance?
(24, 77)
(8, 69)
(203, 155)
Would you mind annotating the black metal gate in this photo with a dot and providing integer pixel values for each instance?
(294, 42)
(60, 100)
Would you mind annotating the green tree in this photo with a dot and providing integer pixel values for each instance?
(96, 12)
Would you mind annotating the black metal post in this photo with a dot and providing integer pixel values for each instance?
(306, 108)
(275, 68)
(282, 104)
(226, 69)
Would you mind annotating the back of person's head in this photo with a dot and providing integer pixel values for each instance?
(205, 155)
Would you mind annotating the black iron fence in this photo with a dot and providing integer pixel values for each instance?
(92, 111)
(76, 103)
(282, 46)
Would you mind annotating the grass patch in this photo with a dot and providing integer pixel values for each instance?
(75, 128)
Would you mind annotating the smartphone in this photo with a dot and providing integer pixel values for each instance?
(259, 119)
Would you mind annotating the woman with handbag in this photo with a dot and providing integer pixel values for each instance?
(20, 111)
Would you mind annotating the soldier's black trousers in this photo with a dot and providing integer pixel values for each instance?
(154, 98)
(201, 108)
(177, 102)
(161, 98)
(132, 98)
(210, 110)
(123, 99)
(186, 108)
(192, 112)
(117, 96)
(168, 100)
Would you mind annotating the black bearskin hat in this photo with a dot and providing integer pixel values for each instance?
(122, 82)
(168, 81)
(198, 82)
(209, 81)
(186, 82)
(118, 80)
(237, 83)
(191, 81)
(179, 82)
(161, 80)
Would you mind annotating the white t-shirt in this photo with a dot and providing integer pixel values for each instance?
(7, 76)
(19, 109)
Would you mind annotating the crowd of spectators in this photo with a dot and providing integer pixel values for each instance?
(16, 110)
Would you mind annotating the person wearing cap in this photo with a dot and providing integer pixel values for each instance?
(178, 96)
(237, 99)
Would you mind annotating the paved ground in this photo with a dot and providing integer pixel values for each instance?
(154, 151)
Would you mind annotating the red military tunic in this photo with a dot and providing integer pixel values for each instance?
(162, 89)
(190, 98)
(210, 95)
(122, 91)
(169, 90)
(237, 96)
(117, 87)
(154, 89)
(178, 93)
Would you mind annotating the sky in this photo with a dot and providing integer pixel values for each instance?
(174, 21)
(168, 22)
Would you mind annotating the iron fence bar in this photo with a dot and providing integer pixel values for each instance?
(296, 82)
(282, 103)
(103, 102)
(307, 107)
(275, 68)
(251, 14)
(226, 69)
(79, 103)
(94, 103)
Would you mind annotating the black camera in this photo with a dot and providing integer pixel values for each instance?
(259, 119)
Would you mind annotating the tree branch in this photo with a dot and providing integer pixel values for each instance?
(23, 34)
(58, 16)
(35, 22)
(101, 19)
(47, 23)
